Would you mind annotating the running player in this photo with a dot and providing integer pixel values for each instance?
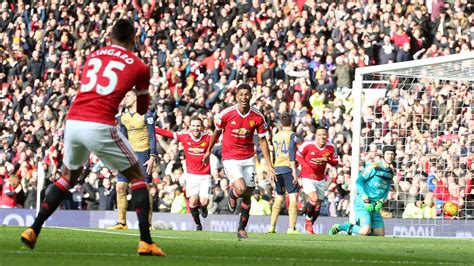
(238, 125)
(198, 176)
(313, 156)
(90, 127)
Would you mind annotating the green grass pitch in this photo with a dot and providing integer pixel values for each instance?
(70, 246)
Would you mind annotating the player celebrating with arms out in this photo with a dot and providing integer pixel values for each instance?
(90, 127)
(139, 130)
(373, 185)
(313, 156)
(198, 176)
(238, 124)
(284, 150)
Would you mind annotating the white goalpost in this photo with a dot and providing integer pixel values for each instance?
(425, 108)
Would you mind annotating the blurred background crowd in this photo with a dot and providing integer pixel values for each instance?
(299, 56)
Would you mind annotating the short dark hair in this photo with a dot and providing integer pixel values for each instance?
(321, 127)
(244, 86)
(123, 31)
(195, 117)
(285, 119)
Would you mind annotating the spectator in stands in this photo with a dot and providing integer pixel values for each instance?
(10, 190)
(90, 191)
(415, 209)
(260, 206)
(179, 202)
(107, 195)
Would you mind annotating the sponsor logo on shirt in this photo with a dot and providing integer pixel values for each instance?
(240, 132)
(196, 151)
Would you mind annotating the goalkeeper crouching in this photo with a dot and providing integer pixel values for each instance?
(373, 185)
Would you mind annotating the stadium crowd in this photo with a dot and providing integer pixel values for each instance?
(299, 56)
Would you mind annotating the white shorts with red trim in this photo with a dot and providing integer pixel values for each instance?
(245, 169)
(198, 185)
(311, 185)
(81, 138)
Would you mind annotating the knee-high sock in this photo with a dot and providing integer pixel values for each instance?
(203, 208)
(317, 209)
(122, 205)
(195, 214)
(276, 210)
(232, 194)
(244, 213)
(51, 202)
(310, 205)
(140, 200)
(292, 214)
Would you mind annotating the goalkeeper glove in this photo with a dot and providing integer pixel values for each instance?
(378, 205)
(367, 205)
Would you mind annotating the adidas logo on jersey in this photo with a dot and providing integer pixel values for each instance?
(233, 123)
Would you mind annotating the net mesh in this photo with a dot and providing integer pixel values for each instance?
(427, 112)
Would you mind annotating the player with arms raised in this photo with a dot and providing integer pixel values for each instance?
(198, 176)
(109, 73)
(238, 125)
(373, 185)
(313, 156)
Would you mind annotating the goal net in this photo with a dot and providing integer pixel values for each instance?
(424, 108)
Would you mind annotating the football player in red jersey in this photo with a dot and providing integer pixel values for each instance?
(238, 125)
(198, 176)
(109, 73)
(313, 156)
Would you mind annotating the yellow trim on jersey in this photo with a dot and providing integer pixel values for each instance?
(136, 130)
(281, 145)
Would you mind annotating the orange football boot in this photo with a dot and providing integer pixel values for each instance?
(145, 249)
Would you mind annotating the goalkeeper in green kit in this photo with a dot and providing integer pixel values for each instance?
(373, 185)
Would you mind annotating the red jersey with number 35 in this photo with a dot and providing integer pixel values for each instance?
(108, 74)
(308, 153)
(239, 129)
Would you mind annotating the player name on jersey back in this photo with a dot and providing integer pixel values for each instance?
(108, 74)
(112, 51)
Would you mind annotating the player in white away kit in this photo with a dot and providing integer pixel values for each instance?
(198, 176)
(109, 73)
(238, 124)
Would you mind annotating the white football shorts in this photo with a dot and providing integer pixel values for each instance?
(245, 169)
(311, 185)
(111, 147)
(198, 185)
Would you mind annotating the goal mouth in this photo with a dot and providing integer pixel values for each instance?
(425, 108)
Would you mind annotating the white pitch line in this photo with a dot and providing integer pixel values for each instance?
(217, 239)
(107, 232)
(171, 237)
(253, 259)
